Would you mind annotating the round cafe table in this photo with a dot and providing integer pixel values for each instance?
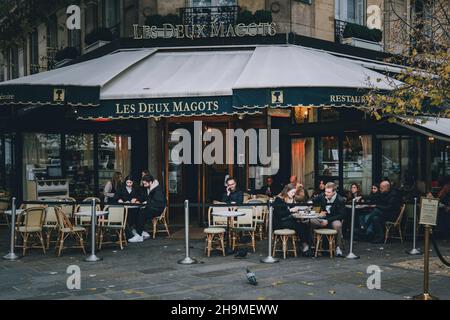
(229, 215)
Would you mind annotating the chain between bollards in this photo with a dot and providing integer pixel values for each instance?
(93, 257)
(11, 256)
(351, 255)
(414, 250)
(269, 258)
(187, 259)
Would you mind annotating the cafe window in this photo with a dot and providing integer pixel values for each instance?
(357, 156)
(399, 160)
(302, 160)
(41, 159)
(79, 163)
(6, 163)
(440, 160)
(304, 115)
(328, 158)
(114, 154)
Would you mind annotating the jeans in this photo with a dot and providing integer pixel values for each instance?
(376, 218)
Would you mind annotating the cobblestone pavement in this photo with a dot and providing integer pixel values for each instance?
(149, 270)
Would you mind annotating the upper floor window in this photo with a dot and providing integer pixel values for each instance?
(34, 52)
(111, 16)
(2, 68)
(52, 32)
(350, 11)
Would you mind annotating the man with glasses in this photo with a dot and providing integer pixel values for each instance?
(232, 194)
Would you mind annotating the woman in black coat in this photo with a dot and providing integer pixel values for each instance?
(128, 193)
(284, 205)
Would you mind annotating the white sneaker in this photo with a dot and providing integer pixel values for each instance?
(136, 238)
(338, 252)
(134, 232)
(145, 235)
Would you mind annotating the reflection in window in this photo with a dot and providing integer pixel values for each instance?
(390, 160)
(357, 155)
(6, 164)
(79, 156)
(328, 157)
(114, 154)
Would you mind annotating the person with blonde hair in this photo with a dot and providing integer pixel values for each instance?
(112, 186)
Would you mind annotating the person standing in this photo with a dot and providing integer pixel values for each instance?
(232, 194)
(155, 202)
(112, 186)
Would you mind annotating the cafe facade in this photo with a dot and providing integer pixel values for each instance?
(66, 131)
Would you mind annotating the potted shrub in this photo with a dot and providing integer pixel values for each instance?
(361, 36)
(97, 38)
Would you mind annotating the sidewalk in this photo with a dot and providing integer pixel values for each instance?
(149, 270)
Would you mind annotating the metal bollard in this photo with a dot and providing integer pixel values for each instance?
(187, 259)
(414, 250)
(93, 257)
(351, 255)
(11, 256)
(269, 258)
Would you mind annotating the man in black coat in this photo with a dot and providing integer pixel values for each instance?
(271, 188)
(386, 209)
(332, 212)
(232, 195)
(155, 202)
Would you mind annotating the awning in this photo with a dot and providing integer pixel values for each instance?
(174, 83)
(144, 83)
(438, 128)
(75, 85)
(283, 76)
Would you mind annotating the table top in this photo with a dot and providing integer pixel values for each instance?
(89, 213)
(228, 213)
(358, 206)
(305, 216)
(18, 211)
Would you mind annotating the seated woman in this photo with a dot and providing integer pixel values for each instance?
(128, 193)
(283, 219)
(354, 192)
(301, 196)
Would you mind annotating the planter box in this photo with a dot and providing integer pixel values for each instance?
(362, 43)
(95, 45)
(62, 63)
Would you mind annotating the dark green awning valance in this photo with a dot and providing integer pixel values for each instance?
(160, 107)
(305, 96)
(35, 94)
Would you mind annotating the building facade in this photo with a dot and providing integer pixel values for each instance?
(344, 145)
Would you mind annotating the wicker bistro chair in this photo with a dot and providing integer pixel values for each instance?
(85, 221)
(260, 216)
(115, 223)
(66, 229)
(161, 221)
(244, 225)
(50, 224)
(397, 224)
(330, 234)
(215, 233)
(282, 236)
(29, 225)
(216, 221)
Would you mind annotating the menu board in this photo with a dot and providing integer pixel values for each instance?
(428, 211)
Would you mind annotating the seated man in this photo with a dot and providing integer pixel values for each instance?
(155, 202)
(386, 209)
(271, 188)
(232, 195)
(332, 210)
